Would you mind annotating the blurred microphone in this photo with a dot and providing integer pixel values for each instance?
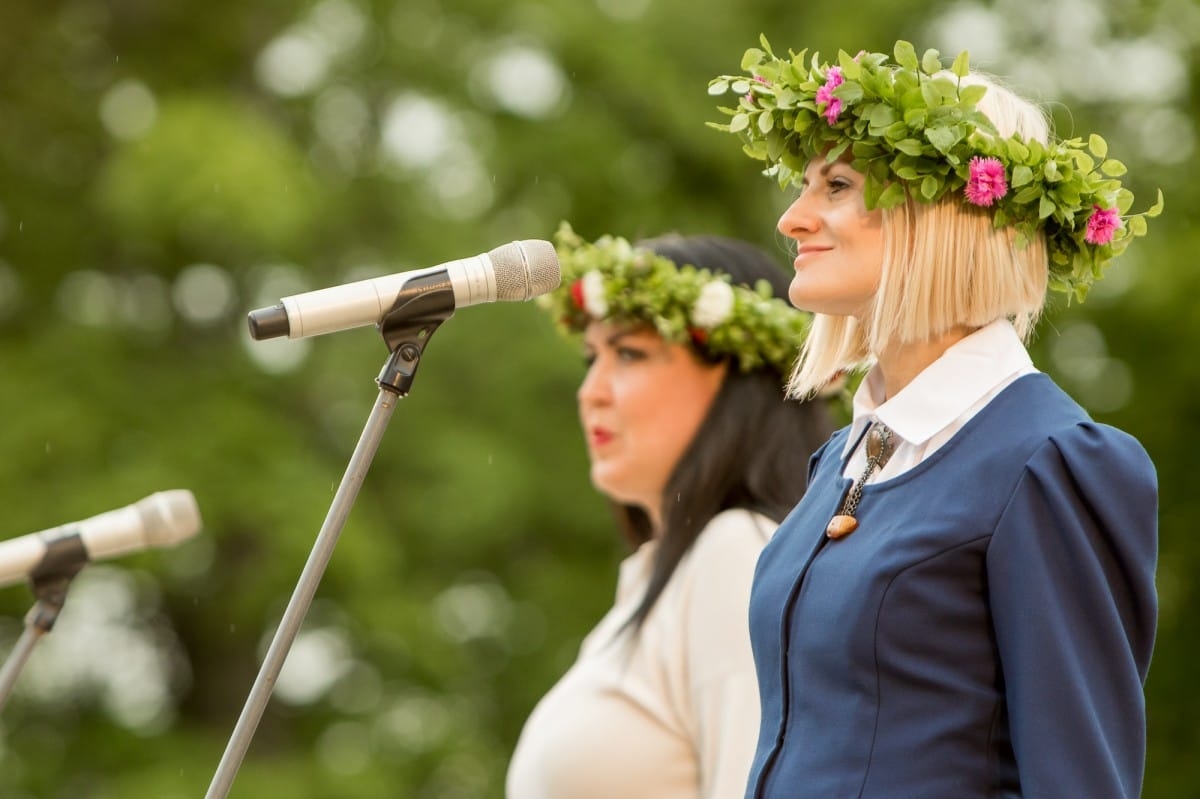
(161, 519)
(519, 270)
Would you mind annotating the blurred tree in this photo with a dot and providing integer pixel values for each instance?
(165, 167)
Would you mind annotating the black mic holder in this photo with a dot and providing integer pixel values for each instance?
(407, 327)
(64, 558)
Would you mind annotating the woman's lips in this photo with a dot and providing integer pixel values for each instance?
(807, 252)
(599, 436)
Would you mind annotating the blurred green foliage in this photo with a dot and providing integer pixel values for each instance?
(166, 167)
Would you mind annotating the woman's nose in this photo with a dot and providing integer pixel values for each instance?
(799, 218)
(595, 386)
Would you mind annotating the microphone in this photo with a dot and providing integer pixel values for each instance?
(161, 519)
(519, 270)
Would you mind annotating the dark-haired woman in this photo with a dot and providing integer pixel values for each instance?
(687, 343)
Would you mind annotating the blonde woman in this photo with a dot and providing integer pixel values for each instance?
(963, 605)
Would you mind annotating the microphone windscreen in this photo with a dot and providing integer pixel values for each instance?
(169, 517)
(525, 269)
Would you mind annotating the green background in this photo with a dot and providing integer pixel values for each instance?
(165, 167)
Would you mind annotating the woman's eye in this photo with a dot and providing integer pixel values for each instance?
(630, 354)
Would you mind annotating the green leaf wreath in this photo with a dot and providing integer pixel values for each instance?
(912, 129)
(609, 279)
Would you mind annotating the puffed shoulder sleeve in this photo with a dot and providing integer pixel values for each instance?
(722, 687)
(1071, 583)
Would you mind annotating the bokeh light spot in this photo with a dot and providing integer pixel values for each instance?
(128, 110)
(204, 294)
(524, 80)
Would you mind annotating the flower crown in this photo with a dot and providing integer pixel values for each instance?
(612, 280)
(912, 129)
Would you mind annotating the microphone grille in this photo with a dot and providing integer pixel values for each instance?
(169, 517)
(525, 269)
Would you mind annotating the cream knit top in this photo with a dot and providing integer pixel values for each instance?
(672, 715)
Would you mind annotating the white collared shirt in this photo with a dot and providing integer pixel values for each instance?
(927, 412)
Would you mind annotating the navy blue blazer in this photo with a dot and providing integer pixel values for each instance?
(986, 630)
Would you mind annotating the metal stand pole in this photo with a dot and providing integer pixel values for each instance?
(406, 330)
(302, 597)
(33, 633)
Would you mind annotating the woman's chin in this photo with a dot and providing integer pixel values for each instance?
(801, 296)
(609, 481)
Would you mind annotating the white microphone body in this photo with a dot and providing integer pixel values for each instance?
(472, 280)
(520, 270)
(161, 519)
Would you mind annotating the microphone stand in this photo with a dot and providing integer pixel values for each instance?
(406, 329)
(64, 558)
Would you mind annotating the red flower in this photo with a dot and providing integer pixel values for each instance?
(699, 336)
(577, 294)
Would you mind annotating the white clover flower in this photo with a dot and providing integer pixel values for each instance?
(593, 295)
(714, 305)
(622, 249)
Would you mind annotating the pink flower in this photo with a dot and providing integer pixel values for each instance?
(833, 111)
(986, 181)
(749, 96)
(1101, 225)
(833, 107)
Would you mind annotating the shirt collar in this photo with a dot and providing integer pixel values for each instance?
(963, 375)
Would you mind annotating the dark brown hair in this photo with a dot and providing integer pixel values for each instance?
(752, 449)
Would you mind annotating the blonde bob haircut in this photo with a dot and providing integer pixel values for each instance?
(945, 265)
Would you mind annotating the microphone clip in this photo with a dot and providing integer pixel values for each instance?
(419, 310)
(65, 557)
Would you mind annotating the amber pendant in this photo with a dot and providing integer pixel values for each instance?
(841, 526)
